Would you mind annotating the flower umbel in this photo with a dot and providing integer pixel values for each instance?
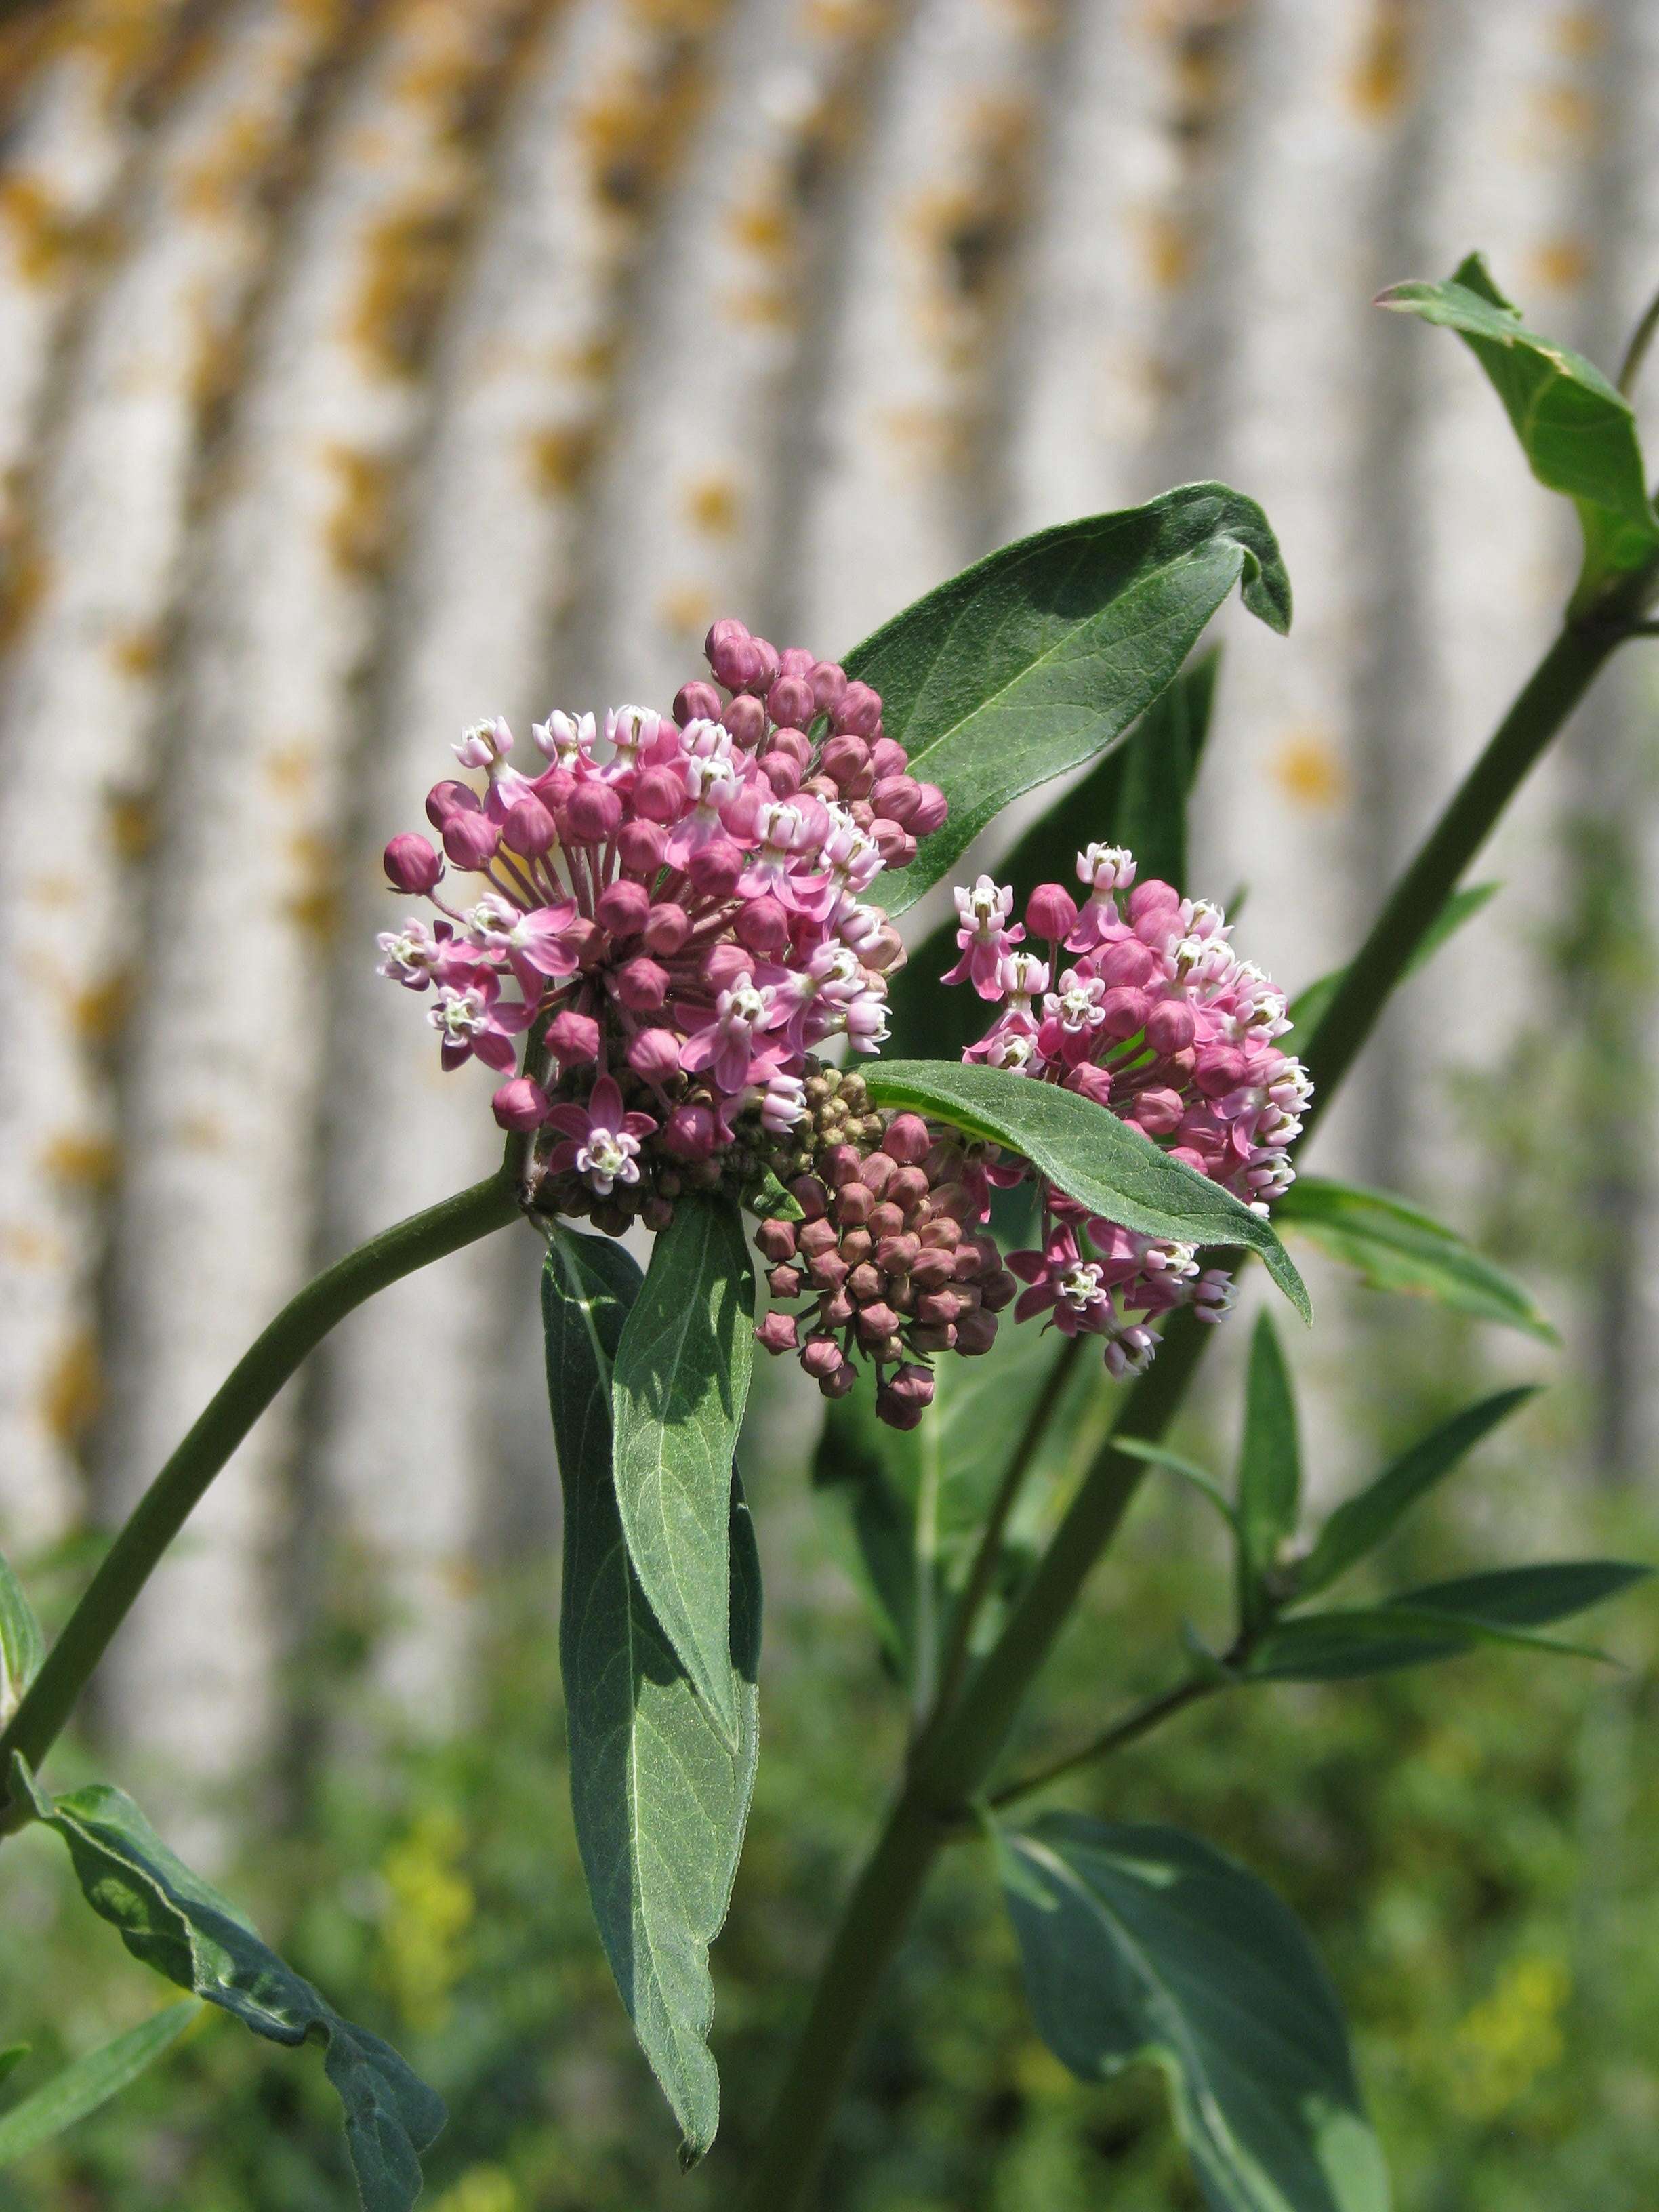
(1157, 1020)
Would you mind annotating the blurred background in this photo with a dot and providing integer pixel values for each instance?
(366, 369)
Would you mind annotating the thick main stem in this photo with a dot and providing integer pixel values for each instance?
(955, 1758)
(231, 1413)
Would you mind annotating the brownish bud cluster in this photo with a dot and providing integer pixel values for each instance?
(886, 1253)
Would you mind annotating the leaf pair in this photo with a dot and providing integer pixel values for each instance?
(174, 1922)
(663, 1731)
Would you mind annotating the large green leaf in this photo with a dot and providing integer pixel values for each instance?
(1361, 1523)
(660, 1797)
(22, 1647)
(1269, 1467)
(1576, 429)
(1392, 1246)
(1136, 796)
(89, 2082)
(1143, 1943)
(1039, 657)
(680, 1384)
(1306, 1009)
(171, 1920)
(1088, 1153)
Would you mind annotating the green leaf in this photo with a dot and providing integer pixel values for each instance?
(12, 2057)
(1527, 1597)
(171, 1920)
(1141, 1943)
(22, 1645)
(89, 2082)
(1189, 1471)
(660, 1797)
(680, 1383)
(1360, 1523)
(1039, 657)
(1269, 1467)
(1332, 1646)
(1131, 798)
(1576, 429)
(1097, 1159)
(1307, 1008)
(1393, 1247)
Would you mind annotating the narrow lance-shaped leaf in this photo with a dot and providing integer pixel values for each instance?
(82, 2087)
(1360, 1523)
(1380, 1640)
(1307, 1008)
(171, 1920)
(1141, 1943)
(1039, 657)
(1269, 1467)
(1392, 1246)
(1578, 430)
(1527, 1597)
(1136, 796)
(678, 1391)
(22, 1647)
(1088, 1153)
(659, 1796)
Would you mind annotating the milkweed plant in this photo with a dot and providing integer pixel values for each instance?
(1003, 1187)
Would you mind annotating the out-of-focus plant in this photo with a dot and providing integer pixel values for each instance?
(675, 918)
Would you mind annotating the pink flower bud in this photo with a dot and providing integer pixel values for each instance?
(795, 660)
(895, 844)
(726, 648)
(722, 966)
(553, 787)
(888, 758)
(929, 812)
(846, 762)
(529, 828)
(696, 703)
(659, 796)
(641, 986)
(1091, 1082)
(622, 908)
(828, 683)
(1158, 1112)
(898, 797)
(865, 1283)
(844, 1379)
(907, 1189)
(1146, 899)
(809, 1194)
(763, 924)
(976, 1331)
(642, 846)
(1051, 912)
(907, 1140)
(411, 863)
(470, 840)
(875, 1323)
(896, 1411)
(451, 798)
(855, 1203)
(519, 1105)
(932, 1269)
(779, 1332)
(666, 928)
(816, 1236)
(1171, 1027)
(716, 867)
(1128, 963)
(1124, 1011)
(573, 1037)
(790, 699)
(766, 674)
(857, 713)
(690, 1132)
(655, 1054)
(914, 1384)
(775, 1240)
(820, 1356)
(840, 1164)
(1219, 1070)
(795, 742)
(593, 813)
(783, 773)
(745, 718)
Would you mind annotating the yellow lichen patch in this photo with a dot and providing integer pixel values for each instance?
(25, 574)
(313, 905)
(929, 440)
(1564, 110)
(1166, 246)
(715, 506)
(1384, 75)
(409, 260)
(22, 1246)
(765, 227)
(129, 823)
(1580, 34)
(359, 526)
(686, 611)
(1558, 265)
(45, 238)
(199, 1133)
(72, 1394)
(291, 769)
(218, 184)
(1308, 769)
(80, 1161)
(137, 653)
(559, 458)
(98, 1012)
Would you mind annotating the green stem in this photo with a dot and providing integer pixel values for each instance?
(1135, 1725)
(955, 1758)
(230, 1413)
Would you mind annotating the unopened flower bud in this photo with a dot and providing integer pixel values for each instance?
(1051, 912)
(519, 1105)
(809, 1194)
(696, 703)
(977, 1332)
(640, 985)
(779, 1332)
(666, 928)
(723, 965)
(642, 846)
(857, 712)
(529, 828)
(1171, 1028)
(762, 924)
(854, 1202)
(929, 811)
(790, 701)
(593, 813)
(690, 1132)
(449, 798)
(745, 718)
(875, 1324)
(622, 907)
(659, 796)
(655, 1054)
(829, 681)
(574, 1038)
(775, 1240)
(907, 1140)
(470, 840)
(1124, 1011)
(897, 798)
(896, 1411)
(846, 761)
(411, 863)
(715, 868)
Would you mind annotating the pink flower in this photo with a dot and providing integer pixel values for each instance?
(984, 936)
(473, 1022)
(602, 1141)
(726, 1044)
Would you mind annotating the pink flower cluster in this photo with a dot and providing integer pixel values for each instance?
(679, 906)
(1137, 1001)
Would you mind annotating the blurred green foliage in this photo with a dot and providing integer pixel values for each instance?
(1474, 1847)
